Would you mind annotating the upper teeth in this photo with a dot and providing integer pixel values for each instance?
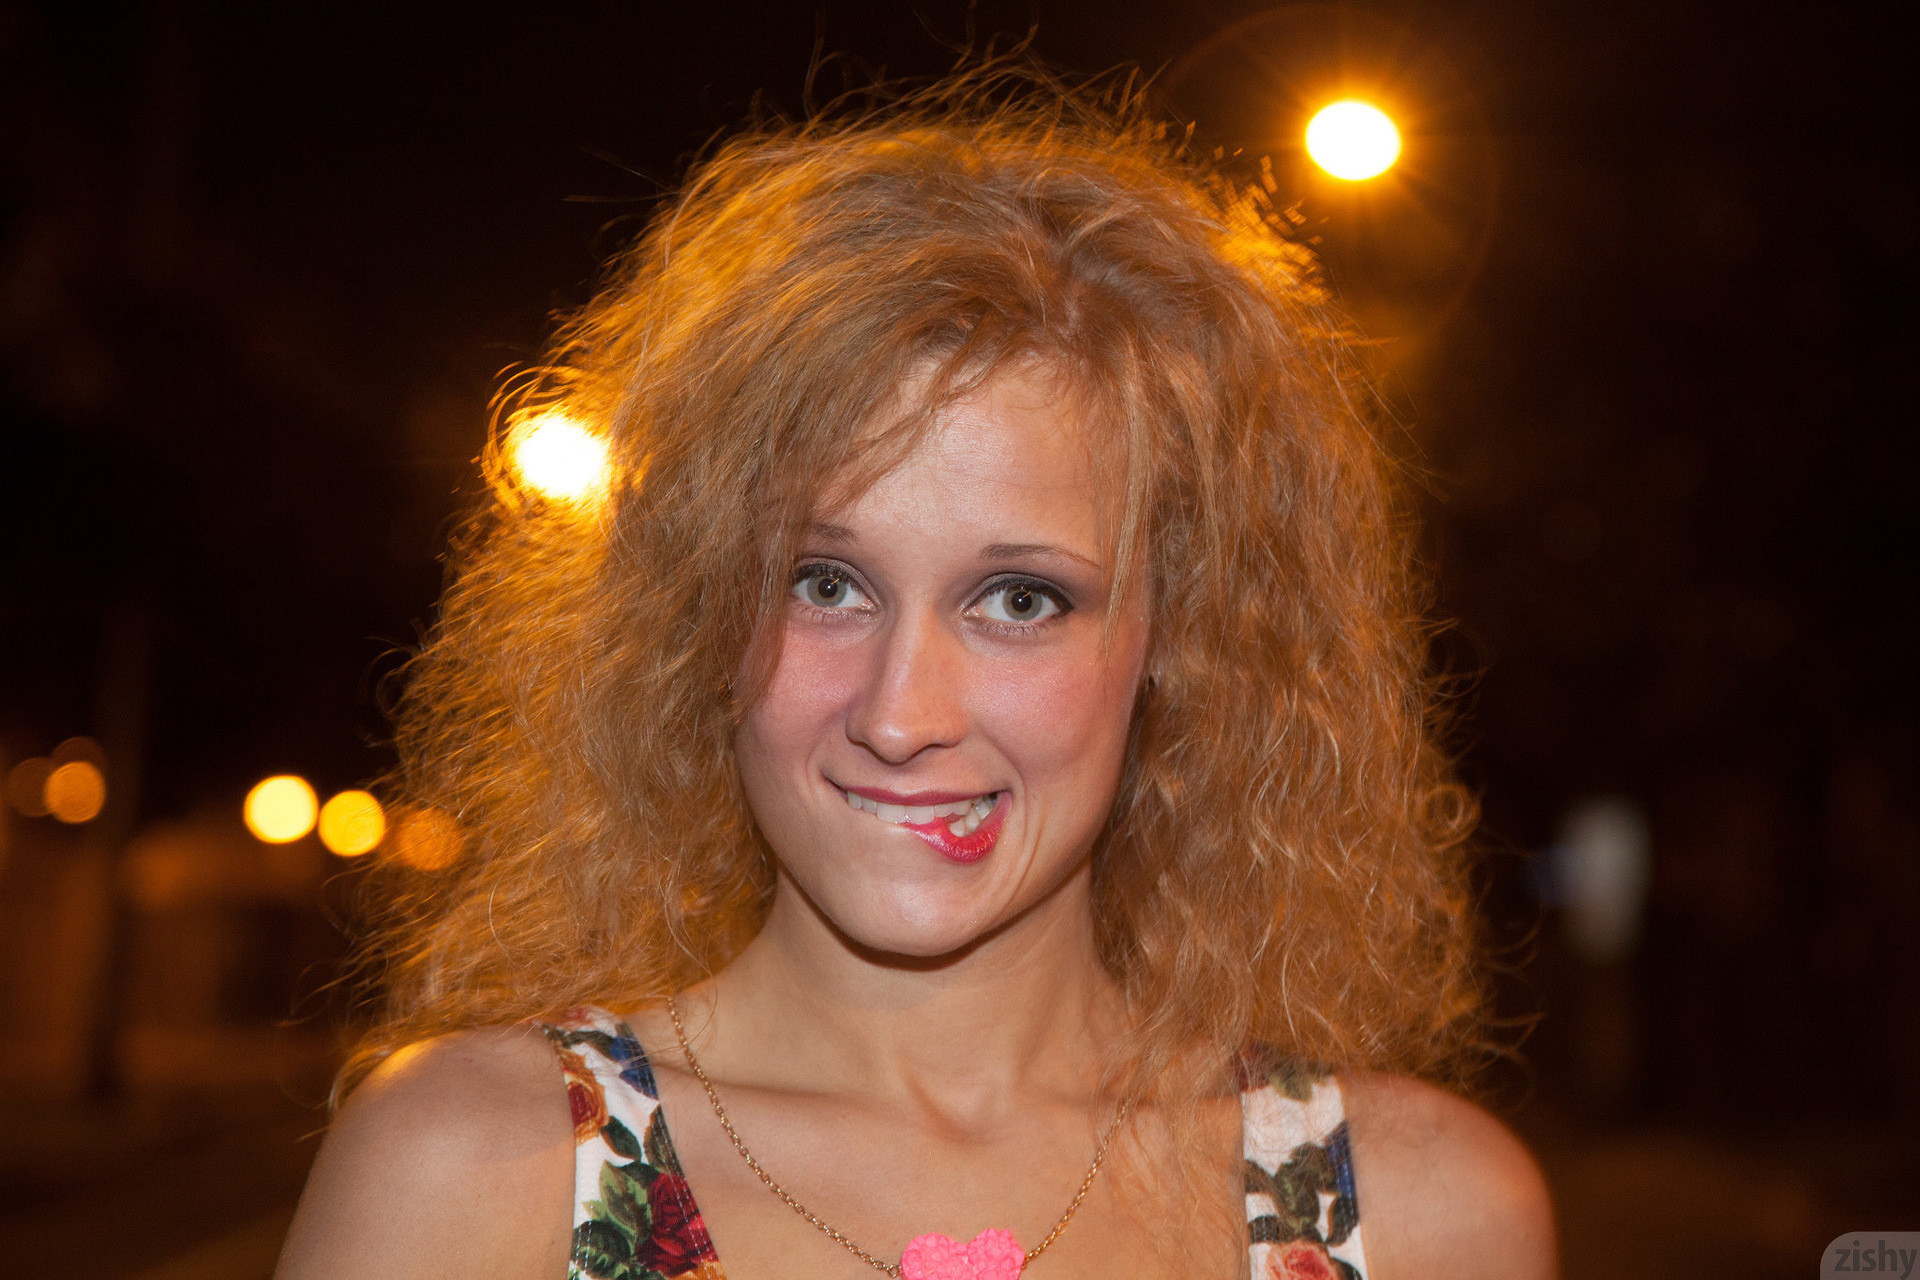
(969, 813)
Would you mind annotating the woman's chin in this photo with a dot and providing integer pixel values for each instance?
(881, 929)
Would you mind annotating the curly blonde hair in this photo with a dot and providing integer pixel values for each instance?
(1283, 863)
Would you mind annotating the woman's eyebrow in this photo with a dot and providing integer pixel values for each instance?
(826, 531)
(1021, 550)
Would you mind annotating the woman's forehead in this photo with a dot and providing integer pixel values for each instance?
(1022, 437)
(1008, 466)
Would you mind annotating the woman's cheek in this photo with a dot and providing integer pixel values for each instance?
(1056, 711)
(779, 737)
(813, 681)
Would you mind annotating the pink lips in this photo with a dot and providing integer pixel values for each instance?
(973, 846)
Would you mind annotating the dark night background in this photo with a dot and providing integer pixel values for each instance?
(1643, 295)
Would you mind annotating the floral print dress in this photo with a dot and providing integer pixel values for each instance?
(634, 1216)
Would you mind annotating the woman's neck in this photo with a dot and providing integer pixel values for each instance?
(1026, 1011)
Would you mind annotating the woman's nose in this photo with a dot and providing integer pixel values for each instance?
(913, 693)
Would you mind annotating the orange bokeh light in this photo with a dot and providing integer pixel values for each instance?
(281, 809)
(76, 791)
(352, 823)
(427, 840)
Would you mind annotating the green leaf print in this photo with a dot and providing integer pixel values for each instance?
(601, 1249)
(1298, 1216)
(1342, 1218)
(602, 1043)
(1309, 1166)
(1301, 1179)
(618, 1224)
(1301, 1200)
(1291, 1079)
(1295, 1189)
(621, 1139)
(623, 1196)
(659, 1147)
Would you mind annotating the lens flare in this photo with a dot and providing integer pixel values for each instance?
(281, 809)
(352, 823)
(1353, 140)
(559, 459)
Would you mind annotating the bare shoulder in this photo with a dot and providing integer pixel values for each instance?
(454, 1157)
(1445, 1189)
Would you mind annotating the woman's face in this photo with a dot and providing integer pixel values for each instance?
(944, 730)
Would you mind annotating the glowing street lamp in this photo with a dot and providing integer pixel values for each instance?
(1353, 140)
(558, 458)
(76, 792)
(281, 809)
(352, 823)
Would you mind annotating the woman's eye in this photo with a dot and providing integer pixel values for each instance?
(826, 588)
(1020, 602)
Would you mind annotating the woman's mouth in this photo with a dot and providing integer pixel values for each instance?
(962, 830)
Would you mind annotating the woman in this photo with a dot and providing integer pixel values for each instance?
(970, 776)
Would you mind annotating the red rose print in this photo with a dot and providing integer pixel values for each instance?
(585, 1098)
(679, 1242)
(1299, 1260)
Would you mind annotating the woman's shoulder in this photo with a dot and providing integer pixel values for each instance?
(462, 1092)
(1445, 1189)
(454, 1154)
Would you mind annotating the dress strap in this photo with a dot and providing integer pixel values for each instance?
(634, 1217)
(1303, 1214)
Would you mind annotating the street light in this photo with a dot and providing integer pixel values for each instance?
(352, 823)
(281, 809)
(558, 458)
(1353, 140)
(76, 792)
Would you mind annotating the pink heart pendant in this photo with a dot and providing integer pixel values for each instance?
(992, 1255)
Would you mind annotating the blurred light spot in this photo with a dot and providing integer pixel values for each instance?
(280, 809)
(558, 458)
(27, 786)
(427, 840)
(1353, 140)
(76, 791)
(352, 823)
(80, 749)
(1603, 859)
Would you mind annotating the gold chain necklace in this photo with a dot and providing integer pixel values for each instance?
(993, 1253)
